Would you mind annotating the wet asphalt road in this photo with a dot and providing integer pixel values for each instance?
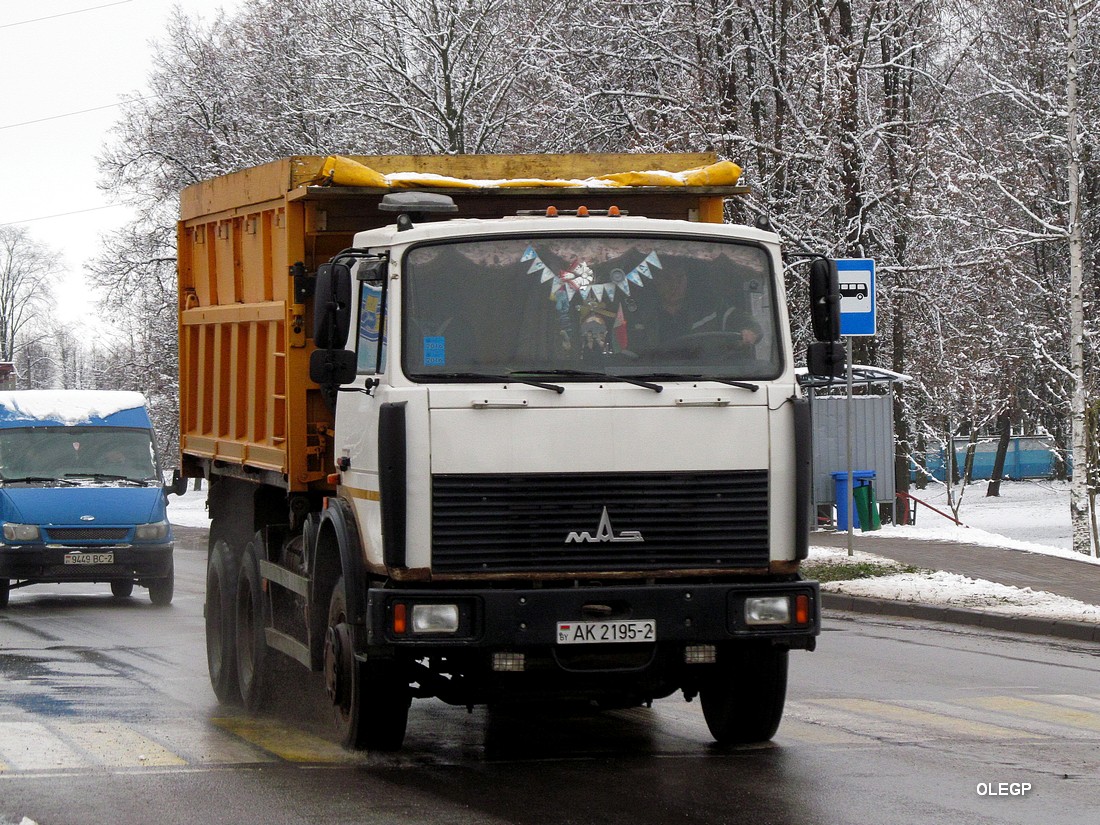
(106, 716)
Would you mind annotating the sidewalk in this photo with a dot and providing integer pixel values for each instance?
(1062, 577)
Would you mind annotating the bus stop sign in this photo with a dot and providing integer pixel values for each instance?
(857, 295)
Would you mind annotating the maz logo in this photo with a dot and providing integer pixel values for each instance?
(604, 533)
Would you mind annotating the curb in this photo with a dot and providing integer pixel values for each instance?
(1057, 628)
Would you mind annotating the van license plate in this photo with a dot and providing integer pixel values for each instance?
(589, 633)
(89, 558)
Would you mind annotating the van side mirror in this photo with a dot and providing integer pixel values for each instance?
(826, 359)
(332, 306)
(179, 484)
(824, 300)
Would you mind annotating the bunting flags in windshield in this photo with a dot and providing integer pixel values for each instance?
(580, 277)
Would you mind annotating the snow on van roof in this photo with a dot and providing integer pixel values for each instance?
(66, 406)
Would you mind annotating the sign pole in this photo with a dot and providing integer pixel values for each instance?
(857, 317)
(848, 440)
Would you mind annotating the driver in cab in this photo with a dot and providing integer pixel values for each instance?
(686, 306)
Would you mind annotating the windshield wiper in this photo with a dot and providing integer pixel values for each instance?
(28, 479)
(670, 376)
(607, 376)
(107, 477)
(504, 379)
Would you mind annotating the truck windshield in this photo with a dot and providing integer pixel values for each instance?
(630, 306)
(37, 454)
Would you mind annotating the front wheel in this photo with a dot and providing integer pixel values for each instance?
(370, 700)
(121, 590)
(162, 590)
(743, 696)
(5, 591)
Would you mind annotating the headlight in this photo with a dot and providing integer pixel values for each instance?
(434, 618)
(768, 610)
(151, 532)
(20, 532)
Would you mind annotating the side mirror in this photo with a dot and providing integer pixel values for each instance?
(332, 306)
(332, 367)
(179, 484)
(824, 300)
(826, 359)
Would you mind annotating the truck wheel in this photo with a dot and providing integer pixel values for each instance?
(219, 624)
(743, 696)
(121, 590)
(253, 660)
(370, 700)
(162, 590)
(5, 591)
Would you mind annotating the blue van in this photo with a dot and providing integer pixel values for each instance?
(82, 497)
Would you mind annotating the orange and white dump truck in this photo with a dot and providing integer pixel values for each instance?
(466, 446)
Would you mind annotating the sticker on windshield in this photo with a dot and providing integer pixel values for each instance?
(435, 351)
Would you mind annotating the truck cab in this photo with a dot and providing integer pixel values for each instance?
(81, 493)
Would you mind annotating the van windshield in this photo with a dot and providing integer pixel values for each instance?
(628, 306)
(67, 453)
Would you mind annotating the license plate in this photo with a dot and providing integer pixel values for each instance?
(589, 633)
(89, 558)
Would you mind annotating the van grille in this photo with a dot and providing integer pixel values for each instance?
(86, 533)
(521, 523)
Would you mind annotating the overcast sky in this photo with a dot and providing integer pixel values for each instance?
(59, 58)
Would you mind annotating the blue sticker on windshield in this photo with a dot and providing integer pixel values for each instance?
(435, 351)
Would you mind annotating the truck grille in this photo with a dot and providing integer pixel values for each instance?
(522, 523)
(86, 533)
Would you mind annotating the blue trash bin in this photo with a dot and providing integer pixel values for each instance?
(860, 478)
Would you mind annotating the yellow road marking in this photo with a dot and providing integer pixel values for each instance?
(1042, 711)
(116, 745)
(285, 742)
(923, 719)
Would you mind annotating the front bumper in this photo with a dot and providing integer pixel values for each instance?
(506, 646)
(517, 619)
(46, 563)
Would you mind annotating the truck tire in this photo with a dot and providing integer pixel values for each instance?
(743, 696)
(370, 700)
(162, 590)
(220, 635)
(5, 591)
(253, 658)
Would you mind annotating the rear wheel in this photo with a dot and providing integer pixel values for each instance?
(254, 659)
(5, 591)
(121, 590)
(219, 623)
(370, 700)
(743, 696)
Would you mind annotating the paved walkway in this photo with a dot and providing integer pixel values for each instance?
(1063, 577)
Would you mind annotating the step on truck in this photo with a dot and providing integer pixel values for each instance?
(496, 429)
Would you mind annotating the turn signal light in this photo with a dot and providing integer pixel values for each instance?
(802, 609)
(400, 618)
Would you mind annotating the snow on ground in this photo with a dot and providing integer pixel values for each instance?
(1028, 516)
(1031, 516)
(189, 510)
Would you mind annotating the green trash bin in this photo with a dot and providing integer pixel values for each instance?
(863, 497)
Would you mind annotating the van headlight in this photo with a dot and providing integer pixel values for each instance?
(151, 532)
(20, 532)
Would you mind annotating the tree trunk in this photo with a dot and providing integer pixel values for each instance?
(1004, 428)
(1079, 489)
